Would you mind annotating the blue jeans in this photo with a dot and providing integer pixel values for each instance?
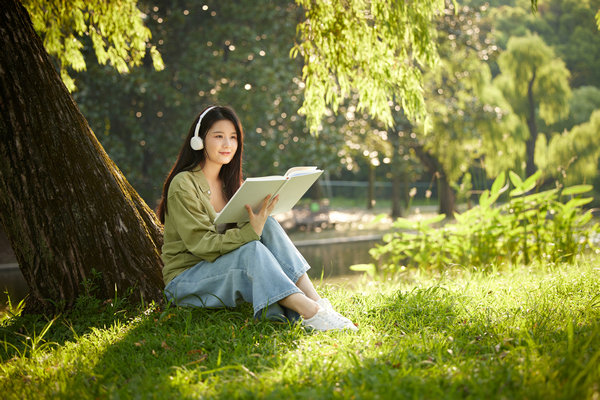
(259, 272)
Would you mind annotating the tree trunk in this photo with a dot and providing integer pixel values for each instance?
(371, 190)
(397, 186)
(530, 167)
(397, 175)
(67, 210)
(446, 195)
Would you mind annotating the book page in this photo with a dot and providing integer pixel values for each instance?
(299, 171)
(253, 191)
(267, 178)
(294, 188)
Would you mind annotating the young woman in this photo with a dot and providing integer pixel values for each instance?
(215, 266)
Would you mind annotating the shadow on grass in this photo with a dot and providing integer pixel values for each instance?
(87, 314)
(143, 354)
(422, 343)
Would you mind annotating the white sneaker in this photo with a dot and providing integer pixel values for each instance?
(327, 320)
(324, 303)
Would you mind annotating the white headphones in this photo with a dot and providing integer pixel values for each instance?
(196, 141)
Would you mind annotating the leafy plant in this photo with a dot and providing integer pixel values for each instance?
(549, 226)
(33, 345)
(12, 310)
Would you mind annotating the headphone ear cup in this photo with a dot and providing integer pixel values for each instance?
(196, 143)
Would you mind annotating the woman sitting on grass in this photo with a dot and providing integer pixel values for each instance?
(215, 266)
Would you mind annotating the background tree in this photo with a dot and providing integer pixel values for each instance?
(373, 48)
(572, 156)
(584, 101)
(365, 147)
(234, 54)
(373, 153)
(567, 26)
(464, 108)
(535, 82)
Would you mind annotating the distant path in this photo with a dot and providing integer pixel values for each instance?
(9, 266)
(350, 239)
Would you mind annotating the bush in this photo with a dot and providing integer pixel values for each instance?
(549, 226)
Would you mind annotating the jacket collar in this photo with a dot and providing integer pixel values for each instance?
(201, 181)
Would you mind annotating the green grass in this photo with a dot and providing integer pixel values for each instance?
(523, 332)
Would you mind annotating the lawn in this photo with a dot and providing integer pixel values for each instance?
(519, 332)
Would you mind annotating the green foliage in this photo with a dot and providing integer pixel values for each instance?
(568, 26)
(585, 100)
(528, 63)
(234, 53)
(469, 115)
(536, 84)
(373, 48)
(115, 29)
(572, 156)
(548, 226)
(513, 333)
(534, 5)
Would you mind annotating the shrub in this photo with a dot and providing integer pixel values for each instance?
(549, 226)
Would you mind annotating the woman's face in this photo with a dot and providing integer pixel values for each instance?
(220, 143)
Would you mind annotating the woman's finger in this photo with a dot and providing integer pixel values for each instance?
(272, 204)
(265, 204)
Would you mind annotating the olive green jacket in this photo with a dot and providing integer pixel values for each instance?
(190, 235)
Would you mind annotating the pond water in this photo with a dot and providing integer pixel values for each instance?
(333, 258)
(329, 258)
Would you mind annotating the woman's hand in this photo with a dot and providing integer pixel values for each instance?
(258, 220)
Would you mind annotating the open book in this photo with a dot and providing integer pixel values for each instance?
(290, 188)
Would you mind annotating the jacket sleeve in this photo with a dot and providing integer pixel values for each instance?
(199, 234)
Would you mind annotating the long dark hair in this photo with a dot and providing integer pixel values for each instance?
(188, 159)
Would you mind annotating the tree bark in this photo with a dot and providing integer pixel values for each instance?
(446, 195)
(67, 210)
(530, 167)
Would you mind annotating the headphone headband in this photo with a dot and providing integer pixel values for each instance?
(200, 119)
(196, 142)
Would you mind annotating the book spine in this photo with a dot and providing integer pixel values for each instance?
(280, 188)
